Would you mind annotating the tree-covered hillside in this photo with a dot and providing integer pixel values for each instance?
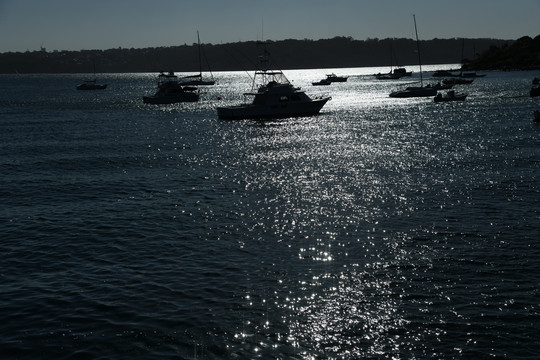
(522, 54)
(288, 54)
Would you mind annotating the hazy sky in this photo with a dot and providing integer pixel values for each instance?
(104, 24)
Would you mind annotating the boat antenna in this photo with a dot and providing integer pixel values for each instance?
(418, 50)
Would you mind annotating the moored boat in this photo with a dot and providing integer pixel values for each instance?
(394, 74)
(439, 86)
(444, 73)
(321, 82)
(170, 91)
(450, 96)
(335, 78)
(197, 79)
(276, 97)
(415, 91)
(457, 81)
(91, 85)
(402, 72)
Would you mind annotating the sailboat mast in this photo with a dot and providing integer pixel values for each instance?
(418, 50)
(199, 44)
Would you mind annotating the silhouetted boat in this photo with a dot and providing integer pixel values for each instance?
(170, 91)
(276, 98)
(388, 76)
(197, 79)
(450, 96)
(335, 78)
(439, 86)
(394, 74)
(321, 82)
(444, 73)
(91, 85)
(402, 72)
(273, 97)
(457, 81)
(416, 91)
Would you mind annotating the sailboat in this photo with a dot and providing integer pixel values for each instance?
(91, 84)
(394, 74)
(197, 79)
(416, 91)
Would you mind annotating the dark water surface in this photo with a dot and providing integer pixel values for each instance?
(383, 228)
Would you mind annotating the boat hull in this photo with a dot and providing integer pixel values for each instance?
(251, 111)
(91, 87)
(414, 92)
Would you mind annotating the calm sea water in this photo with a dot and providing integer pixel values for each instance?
(382, 228)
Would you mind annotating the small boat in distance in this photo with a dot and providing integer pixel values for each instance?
(444, 73)
(334, 78)
(170, 91)
(439, 86)
(457, 81)
(91, 85)
(450, 96)
(414, 91)
(397, 73)
(393, 74)
(321, 82)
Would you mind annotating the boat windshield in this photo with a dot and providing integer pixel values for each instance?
(264, 78)
(167, 78)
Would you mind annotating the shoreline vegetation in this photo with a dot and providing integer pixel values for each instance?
(338, 52)
(522, 54)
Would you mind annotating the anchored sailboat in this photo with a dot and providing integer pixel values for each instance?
(198, 79)
(416, 91)
(91, 84)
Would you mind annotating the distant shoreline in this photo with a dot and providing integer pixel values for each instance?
(339, 52)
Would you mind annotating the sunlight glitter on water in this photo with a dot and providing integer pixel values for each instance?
(363, 232)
